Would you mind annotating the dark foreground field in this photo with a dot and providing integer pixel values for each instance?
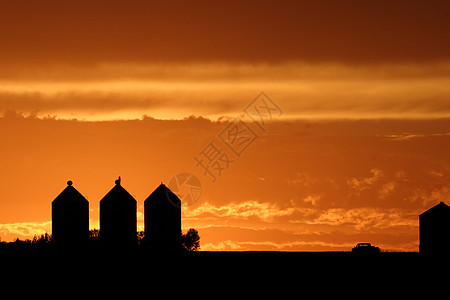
(215, 261)
(194, 273)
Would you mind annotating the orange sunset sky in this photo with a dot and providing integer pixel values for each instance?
(356, 144)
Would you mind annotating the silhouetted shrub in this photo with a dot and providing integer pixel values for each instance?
(94, 234)
(43, 239)
(140, 237)
(191, 240)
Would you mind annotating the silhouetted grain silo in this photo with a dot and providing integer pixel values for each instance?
(434, 230)
(118, 217)
(70, 217)
(162, 218)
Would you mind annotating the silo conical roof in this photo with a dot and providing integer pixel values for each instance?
(163, 194)
(69, 195)
(118, 194)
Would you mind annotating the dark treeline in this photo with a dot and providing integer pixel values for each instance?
(189, 241)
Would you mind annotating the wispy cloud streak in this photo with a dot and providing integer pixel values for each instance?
(218, 89)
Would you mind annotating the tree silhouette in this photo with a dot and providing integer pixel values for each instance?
(140, 237)
(94, 234)
(43, 239)
(191, 240)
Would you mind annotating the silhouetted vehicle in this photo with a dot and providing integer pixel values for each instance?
(365, 248)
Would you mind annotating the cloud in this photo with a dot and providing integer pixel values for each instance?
(367, 218)
(386, 189)
(359, 219)
(263, 211)
(87, 33)
(10, 231)
(223, 89)
(431, 195)
(247, 239)
(227, 245)
(230, 245)
(370, 188)
(367, 182)
(407, 136)
(312, 199)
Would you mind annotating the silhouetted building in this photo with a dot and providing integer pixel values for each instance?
(118, 217)
(434, 230)
(162, 218)
(70, 217)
